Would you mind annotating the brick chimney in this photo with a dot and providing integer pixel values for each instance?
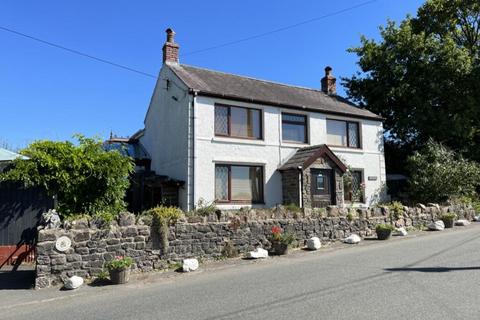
(170, 48)
(328, 82)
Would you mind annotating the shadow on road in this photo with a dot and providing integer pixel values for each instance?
(19, 279)
(431, 269)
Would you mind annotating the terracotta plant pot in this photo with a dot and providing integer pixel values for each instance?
(384, 234)
(119, 276)
(448, 223)
(279, 248)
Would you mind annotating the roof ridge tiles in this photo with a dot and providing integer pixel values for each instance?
(249, 89)
(257, 79)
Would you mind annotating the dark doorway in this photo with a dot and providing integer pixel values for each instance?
(148, 190)
(322, 187)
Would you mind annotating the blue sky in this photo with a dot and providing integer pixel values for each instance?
(47, 93)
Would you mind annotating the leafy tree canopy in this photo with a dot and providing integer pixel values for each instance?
(423, 77)
(85, 178)
(438, 174)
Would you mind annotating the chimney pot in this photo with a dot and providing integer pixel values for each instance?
(328, 82)
(170, 35)
(170, 48)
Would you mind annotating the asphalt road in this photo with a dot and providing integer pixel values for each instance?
(429, 276)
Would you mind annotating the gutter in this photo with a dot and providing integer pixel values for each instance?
(191, 153)
(194, 151)
(281, 105)
(190, 150)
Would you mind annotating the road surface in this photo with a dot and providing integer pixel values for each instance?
(429, 276)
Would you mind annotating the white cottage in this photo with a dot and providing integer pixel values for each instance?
(240, 141)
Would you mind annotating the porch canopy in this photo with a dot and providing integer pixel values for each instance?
(312, 177)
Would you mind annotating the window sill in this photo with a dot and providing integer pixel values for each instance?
(220, 139)
(239, 202)
(354, 204)
(293, 144)
(346, 149)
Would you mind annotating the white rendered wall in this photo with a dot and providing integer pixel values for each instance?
(166, 130)
(166, 140)
(271, 152)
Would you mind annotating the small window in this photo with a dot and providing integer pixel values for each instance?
(221, 120)
(294, 128)
(238, 183)
(353, 186)
(221, 183)
(343, 133)
(320, 182)
(238, 122)
(353, 136)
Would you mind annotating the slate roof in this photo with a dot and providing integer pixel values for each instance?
(304, 157)
(7, 155)
(230, 86)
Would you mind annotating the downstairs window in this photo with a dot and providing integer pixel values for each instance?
(353, 186)
(238, 183)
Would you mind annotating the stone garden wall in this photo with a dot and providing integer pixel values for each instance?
(205, 237)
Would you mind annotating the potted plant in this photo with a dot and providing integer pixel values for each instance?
(281, 241)
(384, 231)
(448, 219)
(119, 269)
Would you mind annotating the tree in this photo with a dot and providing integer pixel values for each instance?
(85, 178)
(423, 77)
(438, 174)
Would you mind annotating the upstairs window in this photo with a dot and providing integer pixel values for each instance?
(294, 128)
(238, 122)
(343, 133)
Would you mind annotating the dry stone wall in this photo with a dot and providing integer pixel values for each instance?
(205, 237)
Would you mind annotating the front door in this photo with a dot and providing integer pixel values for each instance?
(322, 187)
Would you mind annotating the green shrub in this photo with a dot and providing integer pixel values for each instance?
(165, 215)
(352, 213)
(396, 209)
(119, 263)
(476, 205)
(438, 174)
(103, 275)
(204, 209)
(105, 216)
(77, 216)
(472, 201)
(384, 227)
(320, 212)
(84, 177)
(349, 216)
(279, 236)
(447, 217)
(292, 207)
(175, 266)
(146, 218)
